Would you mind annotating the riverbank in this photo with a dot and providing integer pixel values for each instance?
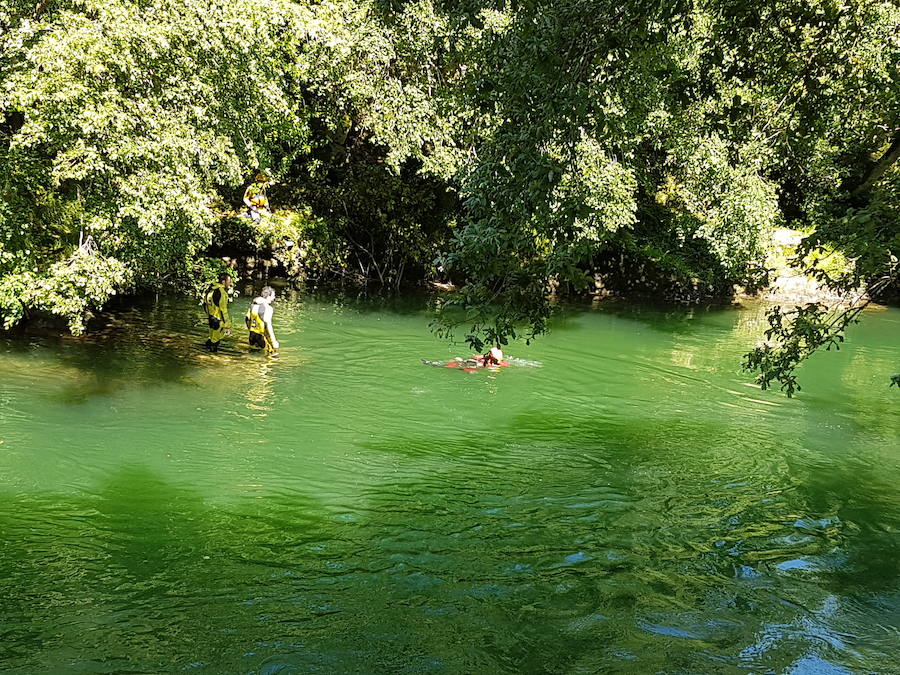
(288, 260)
(615, 275)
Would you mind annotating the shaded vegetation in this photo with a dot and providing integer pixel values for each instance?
(513, 148)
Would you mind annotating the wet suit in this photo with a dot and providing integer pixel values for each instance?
(215, 302)
(256, 323)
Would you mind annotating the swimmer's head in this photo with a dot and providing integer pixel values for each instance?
(493, 356)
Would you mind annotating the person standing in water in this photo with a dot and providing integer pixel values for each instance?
(259, 322)
(215, 302)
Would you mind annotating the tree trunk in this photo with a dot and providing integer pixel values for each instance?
(877, 168)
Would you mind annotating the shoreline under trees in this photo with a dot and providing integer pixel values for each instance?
(503, 146)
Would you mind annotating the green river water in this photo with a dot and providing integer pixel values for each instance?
(630, 505)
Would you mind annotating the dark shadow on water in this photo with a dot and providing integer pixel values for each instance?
(147, 345)
(90, 575)
(599, 542)
(143, 575)
(661, 317)
(592, 546)
(373, 300)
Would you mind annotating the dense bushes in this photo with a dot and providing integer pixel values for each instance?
(511, 144)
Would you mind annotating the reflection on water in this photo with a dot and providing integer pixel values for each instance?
(259, 390)
(634, 505)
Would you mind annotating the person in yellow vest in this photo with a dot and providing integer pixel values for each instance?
(215, 302)
(259, 322)
(255, 198)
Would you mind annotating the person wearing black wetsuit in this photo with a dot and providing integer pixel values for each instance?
(215, 302)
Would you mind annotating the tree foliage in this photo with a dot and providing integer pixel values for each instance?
(714, 122)
(516, 145)
(129, 120)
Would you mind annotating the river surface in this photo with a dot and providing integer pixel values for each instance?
(632, 504)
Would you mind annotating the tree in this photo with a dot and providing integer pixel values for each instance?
(119, 119)
(534, 142)
(656, 126)
(127, 121)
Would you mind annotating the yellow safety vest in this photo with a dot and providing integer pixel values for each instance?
(254, 321)
(256, 195)
(217, 310)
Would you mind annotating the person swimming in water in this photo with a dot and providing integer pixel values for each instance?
(259, 322)
(493, 358)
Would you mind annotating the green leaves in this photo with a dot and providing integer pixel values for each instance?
(69, 288)
(679, 136)
(524, 145)
(133, 114)
(796, 334)
(132, 119)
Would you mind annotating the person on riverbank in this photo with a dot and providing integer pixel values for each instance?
(215, 302)
(259, 322)
(255, 198)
